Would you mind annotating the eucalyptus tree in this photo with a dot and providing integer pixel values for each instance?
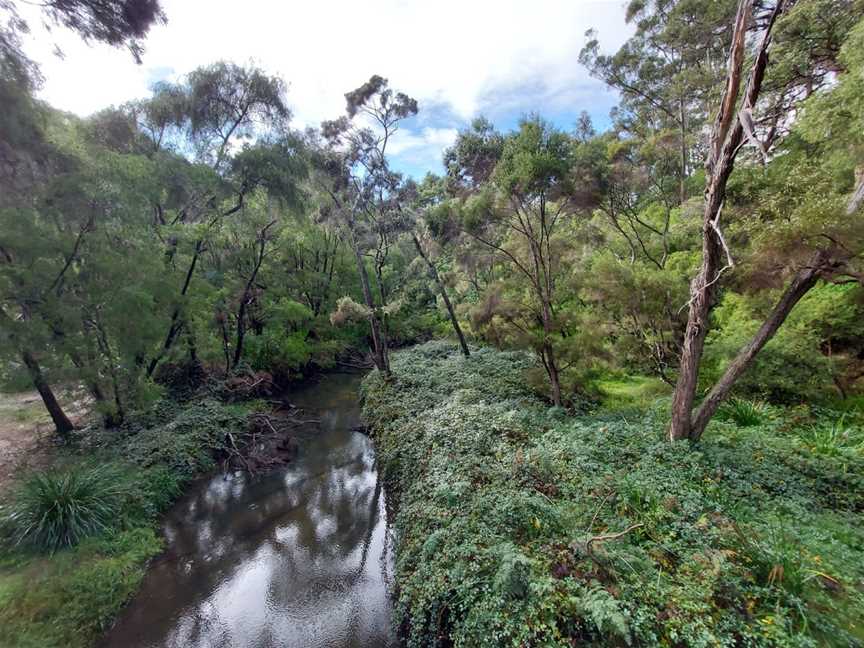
(667, 73)
(431, 235)
(207, 117)
(521, 215)
(30, 161)
(365, 194)
(817, 234)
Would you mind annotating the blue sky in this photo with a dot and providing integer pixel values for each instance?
(458, 58)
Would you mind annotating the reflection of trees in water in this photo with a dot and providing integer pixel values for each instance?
(310, 543)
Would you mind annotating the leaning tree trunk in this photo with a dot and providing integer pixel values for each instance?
(176, 320)
(726, 138)
(246, 297)
(803, 281)
(61, 421)
(442, 290)
(379, 343)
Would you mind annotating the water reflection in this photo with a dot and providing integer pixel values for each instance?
(299, 557)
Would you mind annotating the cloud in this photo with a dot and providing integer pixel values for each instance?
(458, 58)
(417, 152)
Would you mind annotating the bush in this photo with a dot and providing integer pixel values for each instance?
(54, 511)
(108, 513)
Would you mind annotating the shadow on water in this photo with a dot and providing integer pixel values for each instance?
(300, 556)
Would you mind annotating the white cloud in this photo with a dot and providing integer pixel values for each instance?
(462, 56)
(418, 151)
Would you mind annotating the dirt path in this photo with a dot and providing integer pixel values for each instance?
(26, 433)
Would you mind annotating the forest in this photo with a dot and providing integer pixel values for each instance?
(614, 375)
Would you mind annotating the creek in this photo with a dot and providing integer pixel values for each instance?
(299, 556)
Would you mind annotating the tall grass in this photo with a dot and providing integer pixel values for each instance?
(834, 437)
(56, 510)
(742, 412)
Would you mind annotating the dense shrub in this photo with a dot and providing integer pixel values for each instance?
(503, 508)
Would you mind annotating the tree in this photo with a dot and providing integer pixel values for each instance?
(521, 216)
(115, 22)
(733, 124)
(666, 72)
(365, 193)
(423, 235)
(207, 114)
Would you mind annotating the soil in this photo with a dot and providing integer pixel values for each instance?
(27, 439)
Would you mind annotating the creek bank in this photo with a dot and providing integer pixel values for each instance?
(296, 557)
(70, 597)
(518, 524)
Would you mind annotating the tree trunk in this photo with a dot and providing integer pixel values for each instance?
(246, 297)
(61, 421)
(443, 292)
(682, 188)
(119, 414)
(701, 301)
(726, 137)
(176, 322)
(548, 354)
(379, 343)
(803, 281)
(552, 371)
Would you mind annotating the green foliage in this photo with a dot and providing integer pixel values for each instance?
(743, 412)
(68, 599)
(835, 438)
(57, 510)
(97, 514)
(280, 352)
(752, 539)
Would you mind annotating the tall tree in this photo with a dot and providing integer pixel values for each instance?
(666, 72)
(521, 217)
(429, 232)
(365, 192)
(734, 126)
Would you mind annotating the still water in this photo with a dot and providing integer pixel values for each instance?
(300, 556)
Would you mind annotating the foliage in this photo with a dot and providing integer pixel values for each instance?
(71, 597)
(750, 540)
(742, 412)
(57, 510)
(97, 514)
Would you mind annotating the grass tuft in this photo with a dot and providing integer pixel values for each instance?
(743, 412)
(56, 511)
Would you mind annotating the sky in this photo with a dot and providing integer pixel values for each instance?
(459, 58)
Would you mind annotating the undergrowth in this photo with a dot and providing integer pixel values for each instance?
(78, 538)
(520, 525)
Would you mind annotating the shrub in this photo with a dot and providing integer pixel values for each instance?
(54, 511)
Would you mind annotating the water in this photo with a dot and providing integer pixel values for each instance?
(298, 557)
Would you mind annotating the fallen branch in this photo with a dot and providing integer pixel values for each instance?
(610, 536)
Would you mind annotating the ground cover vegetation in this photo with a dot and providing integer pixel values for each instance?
(518, 524)
(698, 262)
(77, 538)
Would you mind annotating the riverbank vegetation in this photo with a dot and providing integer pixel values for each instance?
(518, 524)
(78, 536)
(691, 272)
